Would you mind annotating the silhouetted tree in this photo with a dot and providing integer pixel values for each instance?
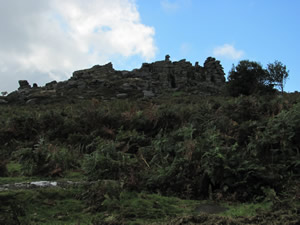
(247, 78)
(278, 74)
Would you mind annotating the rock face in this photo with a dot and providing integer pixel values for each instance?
(151, 80)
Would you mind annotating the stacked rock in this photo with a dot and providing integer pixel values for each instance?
(214, 71)
(24, 85)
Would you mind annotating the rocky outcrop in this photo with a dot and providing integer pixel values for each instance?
(151, 80)
(24, 85)
(182, 75)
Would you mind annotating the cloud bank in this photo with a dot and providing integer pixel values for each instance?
(45, 40)
(228, 51)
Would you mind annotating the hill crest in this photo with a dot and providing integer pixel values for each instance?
(152, 79)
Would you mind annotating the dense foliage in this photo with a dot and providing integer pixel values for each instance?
(278, 74)
(249, 77)
(186, 146)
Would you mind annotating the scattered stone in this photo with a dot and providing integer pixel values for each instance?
(126, 86)
(44, 183)
(2, 102)
(148, 94)
(31, 101)
(122, 95)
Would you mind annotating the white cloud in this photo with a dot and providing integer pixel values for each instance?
(45, 40)
(228, 51)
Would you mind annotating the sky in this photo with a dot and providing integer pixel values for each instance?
(46, 40)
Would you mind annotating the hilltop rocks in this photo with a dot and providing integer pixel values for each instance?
(104, 71)
(182, 75)
(214, 71)
(151, 80)
(51, 85)
(24, 85)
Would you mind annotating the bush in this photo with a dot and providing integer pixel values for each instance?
(46, 160)
(277, 144)
(108, 163)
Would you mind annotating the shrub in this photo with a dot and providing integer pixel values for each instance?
(108, 163)
(45, 159)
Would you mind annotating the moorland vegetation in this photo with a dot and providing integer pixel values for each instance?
(152, 161)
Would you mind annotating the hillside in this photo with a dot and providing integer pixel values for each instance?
(170, 157)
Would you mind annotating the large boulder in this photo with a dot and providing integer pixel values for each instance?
(24, 84)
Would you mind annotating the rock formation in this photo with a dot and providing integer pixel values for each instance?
(151, 80)
(24, 85)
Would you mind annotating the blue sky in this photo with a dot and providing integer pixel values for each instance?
(262, 30)
(42, 41)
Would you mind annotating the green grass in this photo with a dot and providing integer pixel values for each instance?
(44, 206)
(178, 94)
(246, 209)
(14, 168)
(15, 175)
(143, 208)
(20, 179)
(73, 175)
(59, 206)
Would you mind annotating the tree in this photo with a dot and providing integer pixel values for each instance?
(247, 78)
(278, 74)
